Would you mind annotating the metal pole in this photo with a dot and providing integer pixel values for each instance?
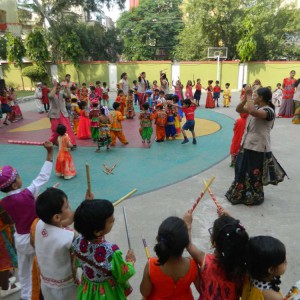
(218, 67)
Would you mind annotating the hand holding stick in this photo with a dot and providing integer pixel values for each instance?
(124, 197)
(126, 226)
(88, 178)
(146, 248)
(202, 193)
(212, 195)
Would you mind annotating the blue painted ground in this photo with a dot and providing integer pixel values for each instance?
(145, 169)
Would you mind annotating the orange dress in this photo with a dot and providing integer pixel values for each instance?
(160, 118)
(64, 161)
(116, 130)
(122, 100)
(164, 287)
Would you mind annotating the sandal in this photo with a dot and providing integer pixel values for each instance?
(10, 290)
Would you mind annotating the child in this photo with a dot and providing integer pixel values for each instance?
(64, 163)
(105, 273)
(160, 118)
(93, 95)
(222, 273)
(20, 205)
(210, 103)
(227, 95)
(135, 88)
(74, 117)
(149, 99)
(154, 86)
(277, 95)
(197, 95)
(73, 91)
(53, 243)
(38, 97)
(146, 129)
(155, 98)
(45, 99)
(266, 262)
(5, 108)
(83, 93)
(104, 138)
(121, 98)
(116, 130)
(189, 108)
(84, 131)
(161, 99)
(105, 91)
(179, 115)
(94, 117)
(238, 131)
(170, 126)
(169, 275)
(178, 89)
(217, 91)
(189, 90)
(130, 113)
(99, 91)
(16, 113)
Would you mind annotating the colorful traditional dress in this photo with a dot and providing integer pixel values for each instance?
(226, 97)
(105, 273)
(178, 92)
(164, 287)
(64, 162)
(146, 129)
(83, 94)
(16, 113)
(210, 103)
(160, 118)
(116, 130)
(94, 117)
(104, 138)
(122, 101)
(74, 117)
(130, 113)
(84, 131)
(287, 107)
(170, 126)
(189, 92)
(197, 95)
(296, 119)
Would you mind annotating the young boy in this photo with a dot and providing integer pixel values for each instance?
(217, 91)
(188, 108)
(52, 245)
(116, 130)
(20, 205)
(155, 97)
(99, 91)
(277, 95)
(161, 99)
(105, 91)
(135, 88)
(227, 95)
(146, 129)
(160, 118)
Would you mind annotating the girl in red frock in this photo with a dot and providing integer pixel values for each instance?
(84, 131)
(210, 103)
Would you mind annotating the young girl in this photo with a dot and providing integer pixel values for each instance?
(277, 95)
(105, 91)
(64, 163)
(104, 138)
(222, 273)
(16, 113)
(45, 99)
(170, 275)
(178, 89)
(266, 262)
(154, 86)
(93, 96)
(160, 118)
(94, 117)
(84, 131)
(227, 95)
(189, 90)
(179, 114)
(6, 109)
(130, 113)
(197, 95)
(105, 272)
(121, 98)
(74, 117)
(170, 125)
(83, 93)
(146, 129)
(210, 103)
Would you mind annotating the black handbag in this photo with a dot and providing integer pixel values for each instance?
(273, 173)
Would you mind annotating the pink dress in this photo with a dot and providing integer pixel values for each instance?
(84, 131)
(189, 92)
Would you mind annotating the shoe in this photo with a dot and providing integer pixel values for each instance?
(186, 140)
(10, 290)
(194, 141)
(143, 141)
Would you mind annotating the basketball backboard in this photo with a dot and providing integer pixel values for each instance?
(217, 52)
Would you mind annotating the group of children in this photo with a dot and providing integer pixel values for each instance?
(9, 106)
(51, 254)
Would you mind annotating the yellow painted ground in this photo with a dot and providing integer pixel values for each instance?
(37, 125)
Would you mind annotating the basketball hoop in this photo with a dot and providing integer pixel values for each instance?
(14, 28)
(217, 53)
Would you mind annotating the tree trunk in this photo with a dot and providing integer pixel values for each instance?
(22, 78)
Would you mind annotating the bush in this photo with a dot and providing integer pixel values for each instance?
(35, 73)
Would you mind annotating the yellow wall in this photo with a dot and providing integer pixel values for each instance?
(271, 73)
(133, 69)
(12, 76)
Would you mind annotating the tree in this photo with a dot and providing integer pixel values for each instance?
(150, 30)
(3, 43)
(15, 52)
(37, 49)
(35, 73)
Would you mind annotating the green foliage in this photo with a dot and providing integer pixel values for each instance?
(15, 49)
(35, 73)
(151, 28)
(224, 23)
(36, 47)
(3, 43)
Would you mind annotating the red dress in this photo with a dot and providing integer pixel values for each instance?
(122, 101)
(210, 103)
(84, 131)
(214, 284)
(238, 131)
(45, 92)
(164, 287)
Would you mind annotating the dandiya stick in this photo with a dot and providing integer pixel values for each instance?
(25, 143)
(88, 178)
(146, 247)
(126, 226)
(212, 195)
(202, 193)
(56, 185)
(124, 197)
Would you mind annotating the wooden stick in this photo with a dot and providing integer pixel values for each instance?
(88, 178)
(212, 195)
(124, 197)
(202, 193)
(126, 226)
(25, 143)
(146, 248)
(56, 185)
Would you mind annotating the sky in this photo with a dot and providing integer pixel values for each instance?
(115, 12)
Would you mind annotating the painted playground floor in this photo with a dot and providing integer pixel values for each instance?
(137, 165)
